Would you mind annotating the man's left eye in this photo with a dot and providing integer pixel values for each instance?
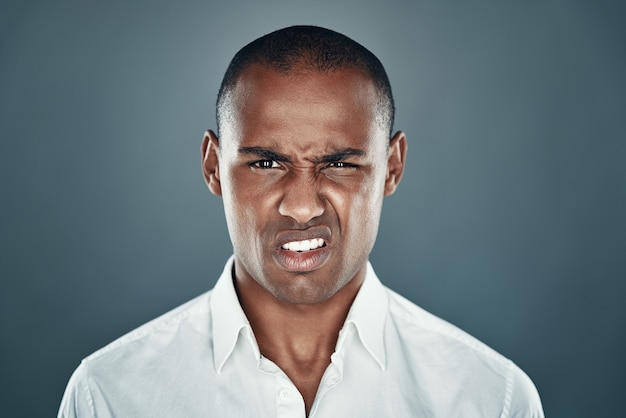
(340, 164)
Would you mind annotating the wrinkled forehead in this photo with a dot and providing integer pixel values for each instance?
(266, 95)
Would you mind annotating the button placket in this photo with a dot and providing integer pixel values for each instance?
(285, 394)
(289, 403)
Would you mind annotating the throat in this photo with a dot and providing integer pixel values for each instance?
(301, 349)
(305, 373)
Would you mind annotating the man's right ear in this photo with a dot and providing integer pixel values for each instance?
(210, 162)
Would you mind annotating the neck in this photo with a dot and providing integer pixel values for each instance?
(300, 331)
(299, 338)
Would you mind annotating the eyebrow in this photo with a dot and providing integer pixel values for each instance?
(264, 153)
(268, 154)
(340, 155)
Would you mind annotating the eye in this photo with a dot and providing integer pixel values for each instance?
(341, 164)
(265, 164)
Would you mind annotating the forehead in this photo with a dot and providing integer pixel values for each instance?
(303, 104)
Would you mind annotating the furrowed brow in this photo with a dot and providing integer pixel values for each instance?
(341, 155)
(263, 153)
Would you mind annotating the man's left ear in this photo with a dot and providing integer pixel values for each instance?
(395, 162)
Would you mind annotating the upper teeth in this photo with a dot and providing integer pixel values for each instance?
(306, 245)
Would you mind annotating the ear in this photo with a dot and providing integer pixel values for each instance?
(396, 158)
(210, 162)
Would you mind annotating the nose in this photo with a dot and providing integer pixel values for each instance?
(301, 199)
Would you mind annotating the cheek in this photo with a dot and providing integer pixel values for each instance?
(236, 210)
(250, 206)
(366, 213)
(358, 206)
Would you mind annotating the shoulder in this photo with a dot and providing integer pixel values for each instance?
(150, 353)
(461, 362)
(412, 320)
(194, 314)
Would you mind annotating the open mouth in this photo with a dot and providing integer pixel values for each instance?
(304, 245)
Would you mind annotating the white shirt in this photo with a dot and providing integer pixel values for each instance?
(392, 359)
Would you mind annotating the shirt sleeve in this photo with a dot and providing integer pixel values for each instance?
(77, 400)
(523, 399)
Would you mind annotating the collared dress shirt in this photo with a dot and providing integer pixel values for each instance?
(392, 359)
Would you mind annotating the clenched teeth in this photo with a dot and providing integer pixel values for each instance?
(306, 245)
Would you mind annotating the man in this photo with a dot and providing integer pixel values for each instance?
(298, 324)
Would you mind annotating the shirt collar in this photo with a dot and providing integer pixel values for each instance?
(367, 314)
(227, 316)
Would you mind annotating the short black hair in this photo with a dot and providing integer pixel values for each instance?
(311, 48)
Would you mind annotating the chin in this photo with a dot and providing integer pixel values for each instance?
(303, 293)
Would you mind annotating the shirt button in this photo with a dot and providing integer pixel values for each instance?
(284, 394)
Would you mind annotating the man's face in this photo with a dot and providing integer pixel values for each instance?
(303, 166)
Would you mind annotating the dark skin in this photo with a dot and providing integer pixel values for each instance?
(301, 347)
(302, 159)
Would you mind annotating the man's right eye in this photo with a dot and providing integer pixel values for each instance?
(265, 164)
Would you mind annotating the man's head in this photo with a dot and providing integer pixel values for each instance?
(303, 162)
(307, 48)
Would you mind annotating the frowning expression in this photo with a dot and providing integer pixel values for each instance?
(302, 165)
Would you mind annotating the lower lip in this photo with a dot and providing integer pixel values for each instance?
(301, 261)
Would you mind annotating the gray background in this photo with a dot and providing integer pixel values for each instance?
(509, 222)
